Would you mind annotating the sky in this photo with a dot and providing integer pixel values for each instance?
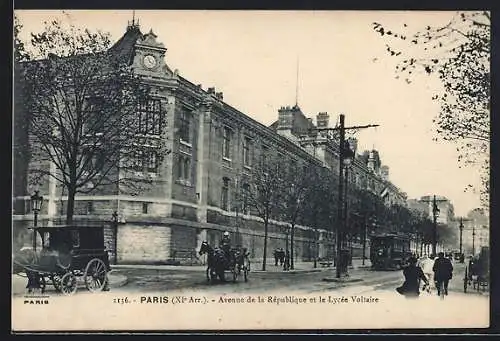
(343, 68)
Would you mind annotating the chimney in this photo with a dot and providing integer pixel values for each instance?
(322, 120)
(219, 96)
(211, 91)
(285, 118)
(371, 161)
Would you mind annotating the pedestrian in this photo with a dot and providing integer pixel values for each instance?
(426, 263)
(286, 264)
(443, 272)
(413, 275)
(276, 257)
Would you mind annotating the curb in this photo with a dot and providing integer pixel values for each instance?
(287, 272)
(158, 267)
(342, 280)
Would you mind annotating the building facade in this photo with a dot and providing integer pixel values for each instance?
(192, 195)
(476, 232)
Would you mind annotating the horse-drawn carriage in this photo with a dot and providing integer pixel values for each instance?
(218, 262)
(477, 272)
(67, 253)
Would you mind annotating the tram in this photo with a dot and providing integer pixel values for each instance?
(389, 251)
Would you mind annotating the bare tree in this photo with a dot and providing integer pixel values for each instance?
(88, 114)
(265, 191)
(298, 181)
(459, 53)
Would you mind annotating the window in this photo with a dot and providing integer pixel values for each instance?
(225, 194)
(90, 207)
(144, 208)
(93, 122)
(138, 162)
(150, 118)
(226, 143)
(185, 127)
(265, 152)
(145, 161)
(246, 193)
(152, 161)
(184, 168)
(247, 151)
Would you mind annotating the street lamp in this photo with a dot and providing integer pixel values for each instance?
(435, 213)
(36, 206)
(114, 219)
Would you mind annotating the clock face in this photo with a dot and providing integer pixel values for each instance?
(149, 61)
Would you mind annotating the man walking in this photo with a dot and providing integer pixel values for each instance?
(443, 271)
(427, 263)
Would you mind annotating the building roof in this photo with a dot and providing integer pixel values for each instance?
(124, 47)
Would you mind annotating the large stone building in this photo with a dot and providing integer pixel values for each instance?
(446, 214)
(191, 198)
(476, 232)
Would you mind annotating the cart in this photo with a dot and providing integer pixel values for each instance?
(477, 271)
(67, 254)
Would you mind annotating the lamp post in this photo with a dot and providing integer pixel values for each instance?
(461, 227)
(36, 206)
(114, 219)
(435, 213)
(473, 239)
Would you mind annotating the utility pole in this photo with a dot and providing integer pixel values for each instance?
(435, 213)
(341, 268)
(473, 239)
(461, 227)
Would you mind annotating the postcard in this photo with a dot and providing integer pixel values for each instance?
(250, 170)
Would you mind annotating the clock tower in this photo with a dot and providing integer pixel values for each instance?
(149, 55)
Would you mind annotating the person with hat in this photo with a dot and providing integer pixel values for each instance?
(225, 245)
(413, 275)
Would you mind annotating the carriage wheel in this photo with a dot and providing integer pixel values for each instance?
(56, 282)
(68, 284)
(95, 275)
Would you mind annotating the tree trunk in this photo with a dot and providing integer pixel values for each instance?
(292, 230)
(70, 206)
(264, 255)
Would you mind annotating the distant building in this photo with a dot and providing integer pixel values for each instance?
(446, 215)
(476, 231)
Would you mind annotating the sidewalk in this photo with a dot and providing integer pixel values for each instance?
(256, 267)
(19, 283)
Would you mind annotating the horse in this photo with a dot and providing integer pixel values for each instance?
(216, 261)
